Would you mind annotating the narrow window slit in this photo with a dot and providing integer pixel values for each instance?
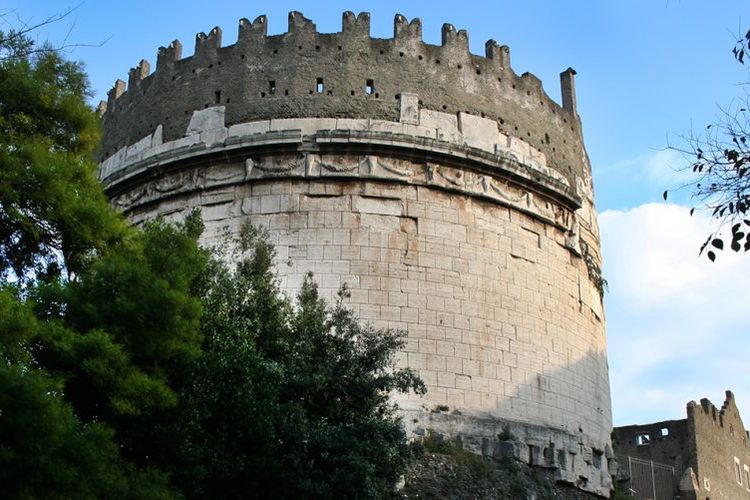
(369, 87)
(271, 87)
(319, 86)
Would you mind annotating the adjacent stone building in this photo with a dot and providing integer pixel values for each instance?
(709, 450)
(450, 194)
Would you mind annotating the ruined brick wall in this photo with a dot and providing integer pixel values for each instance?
(709, 449)
(665, 442)
(456, 204)
(719, 443)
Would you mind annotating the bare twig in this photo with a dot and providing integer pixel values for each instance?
(20, 30)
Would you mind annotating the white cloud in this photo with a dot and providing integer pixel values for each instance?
(651, 256)
(676, 321)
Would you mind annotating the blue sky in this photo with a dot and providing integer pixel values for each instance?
(649, 71)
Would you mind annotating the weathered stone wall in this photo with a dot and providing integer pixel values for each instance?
(718, 442)
(473, 240)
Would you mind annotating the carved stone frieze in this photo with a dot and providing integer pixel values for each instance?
(274, 165)
(312, 165)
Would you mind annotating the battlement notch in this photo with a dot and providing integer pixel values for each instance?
(300, 25)
(207, 45)
(404, 30)
(167, 56)
(256, 30)
(499, 53)
(356, 25)
(116, 91)
(454, 40)
(135, 75)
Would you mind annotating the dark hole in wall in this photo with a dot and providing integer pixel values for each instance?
(319, 86)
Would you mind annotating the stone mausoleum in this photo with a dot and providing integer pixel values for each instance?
(450, 194)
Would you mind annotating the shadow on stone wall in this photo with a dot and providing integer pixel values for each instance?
(579, 451)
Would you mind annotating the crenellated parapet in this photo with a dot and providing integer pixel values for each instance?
(306, 74)
(726, 418)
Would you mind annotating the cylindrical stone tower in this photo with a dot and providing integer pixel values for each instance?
(451, 195)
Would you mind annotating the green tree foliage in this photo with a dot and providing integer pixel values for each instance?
(134, 364)
(52, 208)
(88, 363)
(94, 315)
(287, 402)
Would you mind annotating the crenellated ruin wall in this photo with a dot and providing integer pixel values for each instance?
(265, 77)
